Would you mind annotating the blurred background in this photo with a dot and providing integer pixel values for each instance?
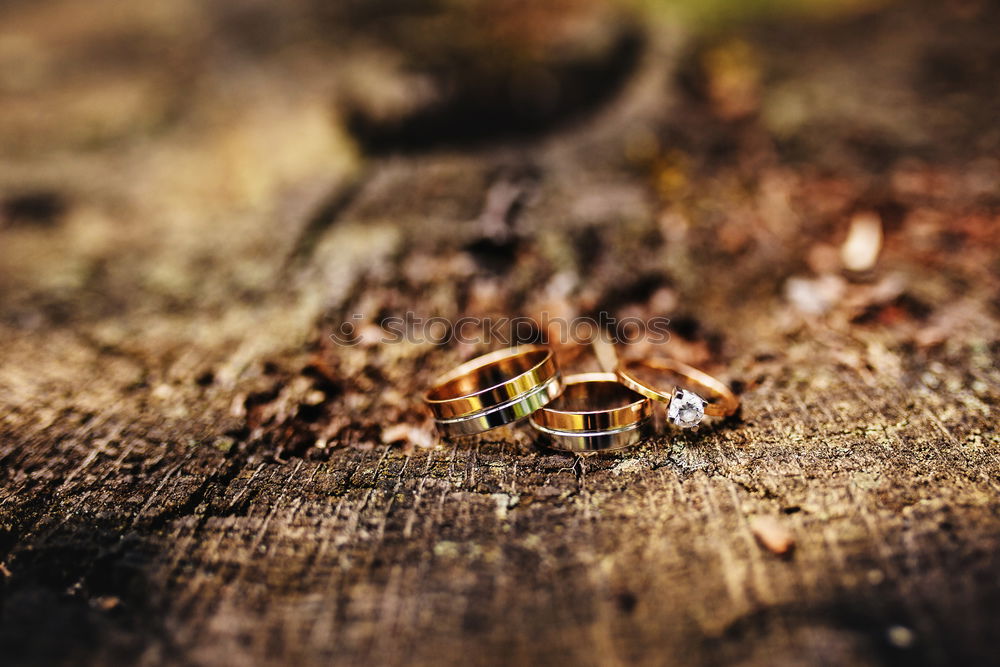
(247, 176)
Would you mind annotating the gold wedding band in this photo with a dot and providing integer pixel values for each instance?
(494, 389)
(684, 408)
(595, 412)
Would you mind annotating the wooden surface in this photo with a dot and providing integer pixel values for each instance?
(195, 194)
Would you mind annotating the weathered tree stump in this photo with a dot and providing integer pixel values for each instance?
(193, 198)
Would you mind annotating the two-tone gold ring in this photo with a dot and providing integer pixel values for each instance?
(595, 413)
(493, 390)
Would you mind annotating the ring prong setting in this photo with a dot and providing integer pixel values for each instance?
(686, 409)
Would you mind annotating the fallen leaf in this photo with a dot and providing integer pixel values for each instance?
(419, 436)
(772, 535)
(864, 242)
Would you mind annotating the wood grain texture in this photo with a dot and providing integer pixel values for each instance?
(193, 472)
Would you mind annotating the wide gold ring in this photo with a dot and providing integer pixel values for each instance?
(684, 408)
(595, 412)
(494, 389)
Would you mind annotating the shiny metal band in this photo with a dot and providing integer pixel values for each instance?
(583, 442)
(504, 413)
(723, 401)
(594, 413)
(489, 381)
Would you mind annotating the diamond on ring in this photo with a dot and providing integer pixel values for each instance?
(686, 409)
